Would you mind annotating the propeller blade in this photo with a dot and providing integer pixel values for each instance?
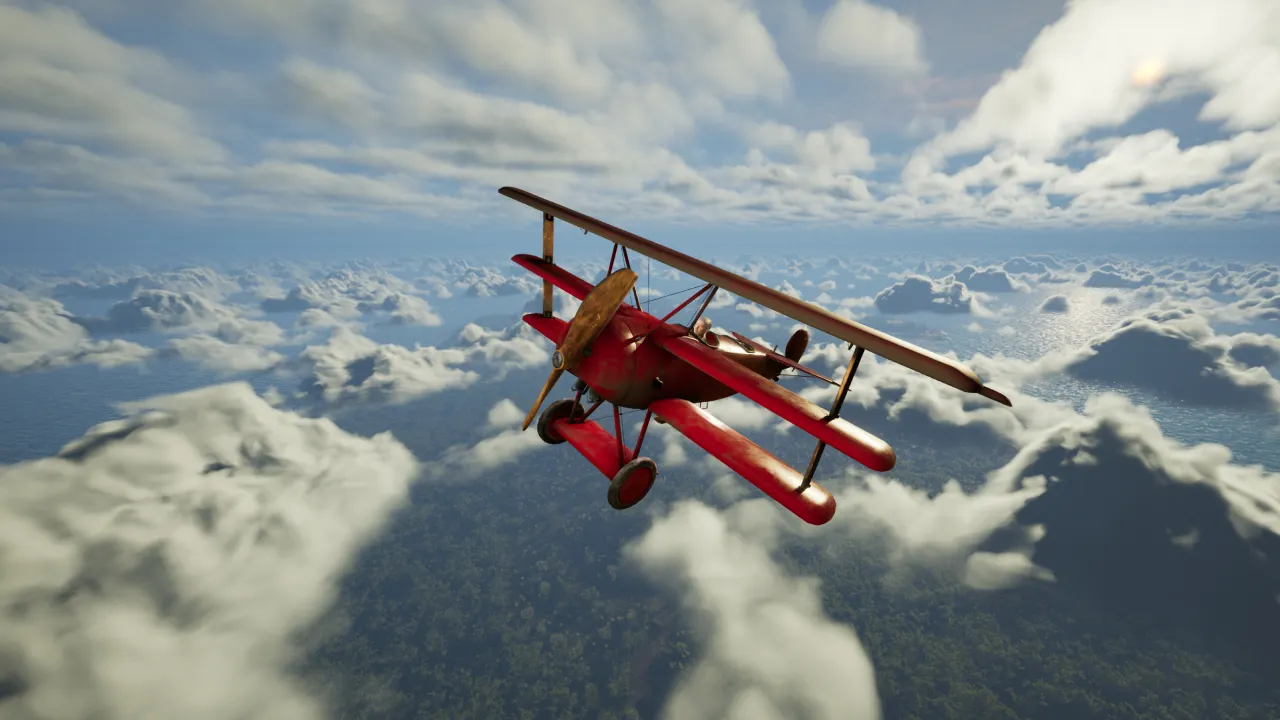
(593, 315)
(597, 309)
(551, 381)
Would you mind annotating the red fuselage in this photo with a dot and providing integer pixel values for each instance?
(635, 374)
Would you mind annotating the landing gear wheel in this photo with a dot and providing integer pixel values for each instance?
(632, 483)
(555, 411)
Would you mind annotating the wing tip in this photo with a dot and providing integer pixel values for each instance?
(993, 394)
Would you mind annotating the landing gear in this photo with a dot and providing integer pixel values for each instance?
(632, 483)
(556, 411)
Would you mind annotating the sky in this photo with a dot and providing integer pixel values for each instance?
(170, 128)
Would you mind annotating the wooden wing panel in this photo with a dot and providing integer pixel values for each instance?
(886, 346)
(555, 275)
(774, 477)
(840, 434)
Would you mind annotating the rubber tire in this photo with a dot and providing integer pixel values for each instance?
(555, 411)
(625, 474)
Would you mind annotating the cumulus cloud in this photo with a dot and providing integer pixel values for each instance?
(370, 113)
(1101, 503)
(859, 34)
(1149, 527)
(173, 555)
(1055, 304)
(40, 334)
(1193, 362)
(350, 367)
(404, 310)
(169, 311)
(350, 293)
(917, 293)
(992, 280)
(1111, 278)
(1089, 74)
(107, 284)
(770, 651)
(508, 444)
(1028, 266)
(221, 356)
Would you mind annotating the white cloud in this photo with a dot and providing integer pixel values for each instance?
(173, 555)
(1195, 363)
(859, 34)
(351, 367)
(59, 77)
(658, 110)
(168, 311)
(219, 355)
(1078, 73)
(39, 334)
(1113, 279)
(917, 293)
(1055, 304)
(769, 649)
(726, 46)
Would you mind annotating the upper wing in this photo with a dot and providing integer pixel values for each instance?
(886, 346)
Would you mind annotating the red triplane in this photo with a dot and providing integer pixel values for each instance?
(625, 356)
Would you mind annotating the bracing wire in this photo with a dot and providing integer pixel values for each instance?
(663, 297)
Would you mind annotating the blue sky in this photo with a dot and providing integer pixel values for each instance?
(390, 123)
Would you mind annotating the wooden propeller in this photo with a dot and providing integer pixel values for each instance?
(596, 311)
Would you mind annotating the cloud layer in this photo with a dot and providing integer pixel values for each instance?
(359, 110)
(160, 564)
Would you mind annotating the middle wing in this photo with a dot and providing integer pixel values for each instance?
(555, 275)
(886, 346)
(836, 432)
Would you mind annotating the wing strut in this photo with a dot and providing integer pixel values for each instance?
(831, 415)
(548, 256)
(705, 304)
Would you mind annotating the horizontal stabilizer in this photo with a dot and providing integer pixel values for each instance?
(774, 477)
(594, 442)
(555, 275)
(840, 434)
(553, 328)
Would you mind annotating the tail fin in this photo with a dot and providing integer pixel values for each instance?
(796, 346)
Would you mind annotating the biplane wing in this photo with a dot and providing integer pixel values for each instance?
(812, 503)
(554, 274)
(552, 328)
(836, 432)
(890, 348)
